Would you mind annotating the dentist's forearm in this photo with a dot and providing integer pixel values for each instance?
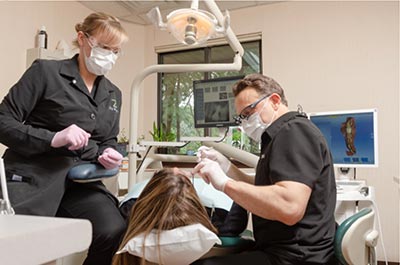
(235, 173)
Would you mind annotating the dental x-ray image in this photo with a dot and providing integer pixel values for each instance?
(217, 111)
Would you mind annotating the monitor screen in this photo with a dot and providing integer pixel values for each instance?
(352, 136)
(214, 103)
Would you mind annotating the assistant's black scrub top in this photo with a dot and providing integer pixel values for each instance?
(293, 149)
(49, 97)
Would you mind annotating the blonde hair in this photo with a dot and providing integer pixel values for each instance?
(102, 23)
(168, 201)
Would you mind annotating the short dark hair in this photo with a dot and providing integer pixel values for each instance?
(264, 85)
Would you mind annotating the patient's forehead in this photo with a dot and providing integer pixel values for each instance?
(181, 172)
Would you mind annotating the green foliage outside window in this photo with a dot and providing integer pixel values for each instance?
(176, 94)
(161, 134)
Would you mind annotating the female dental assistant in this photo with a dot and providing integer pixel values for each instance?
(58, 115)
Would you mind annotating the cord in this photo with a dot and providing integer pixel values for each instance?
(185, 144)
(144, 157)
(374, 204)
(223, 138)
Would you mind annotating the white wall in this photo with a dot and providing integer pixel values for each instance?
(327, 56)
(332, 56)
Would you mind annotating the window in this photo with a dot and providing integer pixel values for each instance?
(176, 92)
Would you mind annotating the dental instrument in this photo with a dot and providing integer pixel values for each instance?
(5, 205)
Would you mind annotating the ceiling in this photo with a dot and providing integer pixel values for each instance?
(135, 11)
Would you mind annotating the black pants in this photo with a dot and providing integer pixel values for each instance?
(256, 257)
(250, 257)
(89, 201)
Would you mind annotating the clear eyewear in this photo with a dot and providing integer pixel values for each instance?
(238, 119)
(93, 44)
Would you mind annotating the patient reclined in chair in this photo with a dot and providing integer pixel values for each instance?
(168, 203)
(171, 220)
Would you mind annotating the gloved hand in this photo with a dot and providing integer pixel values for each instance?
(73, 136)
(110, 158)
(211, 171)
(212, 154)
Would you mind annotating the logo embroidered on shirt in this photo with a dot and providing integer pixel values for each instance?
(114, 106)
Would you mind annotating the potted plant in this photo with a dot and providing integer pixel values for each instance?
(123, 142)
(159, 134)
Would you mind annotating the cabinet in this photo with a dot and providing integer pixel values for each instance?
(38, 240)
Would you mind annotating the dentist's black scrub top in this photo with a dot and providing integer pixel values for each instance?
(293, 149)
(49, 97)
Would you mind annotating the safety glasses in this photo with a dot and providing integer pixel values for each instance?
(247, 111)
(94, 44)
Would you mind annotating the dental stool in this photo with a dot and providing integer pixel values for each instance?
(356, 239)
(88, 173)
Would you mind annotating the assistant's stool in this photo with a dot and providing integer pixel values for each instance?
(87, 173)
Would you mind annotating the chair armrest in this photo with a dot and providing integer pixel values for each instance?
(245, 239)
(235, 241)
(371, 239)
(230, 245)
(90, 172)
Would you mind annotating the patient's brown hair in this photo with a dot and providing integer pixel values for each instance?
(168, 201)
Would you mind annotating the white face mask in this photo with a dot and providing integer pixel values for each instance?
(254, 127)
(100, 61)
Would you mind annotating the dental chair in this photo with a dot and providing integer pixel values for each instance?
(356, 239)
(210, 198)
(94, 172)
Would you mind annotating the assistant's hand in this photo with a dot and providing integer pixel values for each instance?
(211, 171)
(73, 136)
(110, 158)
(212, 154)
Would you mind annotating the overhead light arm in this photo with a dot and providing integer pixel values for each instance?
(230, 36)
(176, 68)
(195, 4)
(192, 26)
(154, 15)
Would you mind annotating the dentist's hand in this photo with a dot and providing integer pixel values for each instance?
(110, 158)
(211, 171)
(210, 153)
(73, 136)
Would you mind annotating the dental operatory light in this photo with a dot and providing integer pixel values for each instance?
(190, 26)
